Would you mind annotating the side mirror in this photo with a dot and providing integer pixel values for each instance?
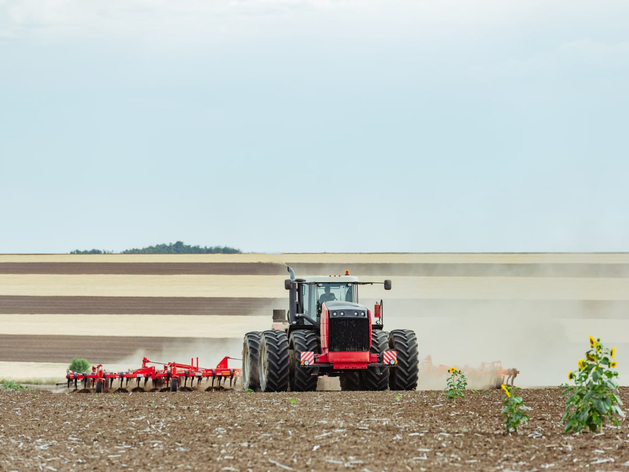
(287, 284)
(387, 285)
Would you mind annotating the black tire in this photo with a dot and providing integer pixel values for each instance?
(404, 375)
(274, 369)
(251, 361)
(99, 386)
(174, 383)
(350, 381)
(372, 380)
(302, 380)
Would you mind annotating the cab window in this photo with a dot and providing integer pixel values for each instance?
(336, 292)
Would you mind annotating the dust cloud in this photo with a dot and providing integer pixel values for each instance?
(542, 338)
(209, 351)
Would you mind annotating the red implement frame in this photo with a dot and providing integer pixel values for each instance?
(158, 375)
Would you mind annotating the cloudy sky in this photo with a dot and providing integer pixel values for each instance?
(314, 125)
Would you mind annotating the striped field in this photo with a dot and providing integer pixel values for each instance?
(534, 311)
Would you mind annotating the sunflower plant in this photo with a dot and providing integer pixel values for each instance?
(456, 384)
(513, 409)
(593, 399)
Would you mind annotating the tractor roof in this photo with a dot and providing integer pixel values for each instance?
(331, 279)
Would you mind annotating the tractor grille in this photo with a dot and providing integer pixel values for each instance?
(349, 334)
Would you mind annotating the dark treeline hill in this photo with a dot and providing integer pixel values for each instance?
(172, 248)
(91, 251)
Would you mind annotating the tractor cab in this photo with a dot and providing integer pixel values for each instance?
(312, 293)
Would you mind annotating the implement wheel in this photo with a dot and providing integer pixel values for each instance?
(404, 375)
(274, 360)
(174, 383)
(99, 386)
(251, 361)
(371, 379)
(301, 379)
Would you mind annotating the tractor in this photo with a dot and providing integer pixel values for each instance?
(328, 333)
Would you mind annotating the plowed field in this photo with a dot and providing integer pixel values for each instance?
(332, 431)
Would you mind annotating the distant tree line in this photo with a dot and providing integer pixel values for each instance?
(181, 248)
(172, 248)
(91, 251)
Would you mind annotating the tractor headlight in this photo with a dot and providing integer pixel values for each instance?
(334, 313)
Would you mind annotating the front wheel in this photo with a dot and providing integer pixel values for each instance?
(302, 380)
(405, 374)
(274, 361)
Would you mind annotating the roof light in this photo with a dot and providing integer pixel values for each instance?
(346, 271)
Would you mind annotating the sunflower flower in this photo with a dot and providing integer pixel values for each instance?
(504, 387)
(582, 364)
(452, 370)
(591, 358)
(570, 375)
(613, 352)
(613, 364)
(592, 341)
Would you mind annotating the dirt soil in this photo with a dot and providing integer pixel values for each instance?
(331, 431)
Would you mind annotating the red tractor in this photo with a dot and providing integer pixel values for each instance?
(329, 333)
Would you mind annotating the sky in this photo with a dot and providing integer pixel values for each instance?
(314, 125)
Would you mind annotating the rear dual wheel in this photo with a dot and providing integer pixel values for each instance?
(350, 381)
(251, 361)
(377, 379)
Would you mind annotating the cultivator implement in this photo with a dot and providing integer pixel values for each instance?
(164, 376)
(495, 372)
(489, 374)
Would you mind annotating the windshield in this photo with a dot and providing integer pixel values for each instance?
(339, 292)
